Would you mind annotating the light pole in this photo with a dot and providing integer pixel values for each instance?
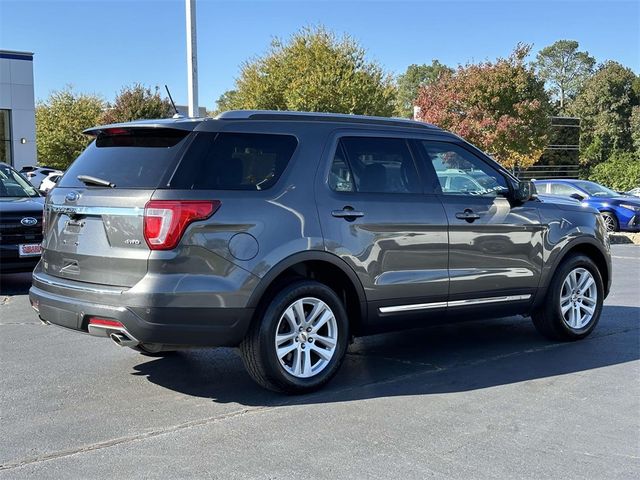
(192, 58)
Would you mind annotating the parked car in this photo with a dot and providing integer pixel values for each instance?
(287, 234)
(50, 182)
(620, 212)
(634, 192)
(36, 175)
(20, 222)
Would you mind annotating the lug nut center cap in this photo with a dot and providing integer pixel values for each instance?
(303, 337)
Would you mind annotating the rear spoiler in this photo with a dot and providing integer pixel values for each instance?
(187, 124)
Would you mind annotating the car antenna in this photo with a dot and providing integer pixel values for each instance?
(177, 114)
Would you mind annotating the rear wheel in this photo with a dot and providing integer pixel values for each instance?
(574, 303)
(610, 221)
(299, 341)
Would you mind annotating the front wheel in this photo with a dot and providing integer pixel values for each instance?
(299, 341)
(574, 303)
(610, 221)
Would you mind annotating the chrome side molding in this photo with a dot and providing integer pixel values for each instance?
(455, 303)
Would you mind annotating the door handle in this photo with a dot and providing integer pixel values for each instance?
(467, 215)
(348, 213)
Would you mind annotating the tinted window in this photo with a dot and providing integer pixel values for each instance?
(374, 165)
(234, 161)
(340, 176)
(460, 172)
(128, 158)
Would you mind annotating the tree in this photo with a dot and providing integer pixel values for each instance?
(620, 172)
(605, 106)
(60, 121)
(564, 69)
(315, 71)
(635, 128)
(227, 101)
(410, 82)
(500, 106)
(137, 102)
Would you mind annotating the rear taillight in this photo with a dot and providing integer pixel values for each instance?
(166, 220)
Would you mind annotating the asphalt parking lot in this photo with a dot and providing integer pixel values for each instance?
(477, 400)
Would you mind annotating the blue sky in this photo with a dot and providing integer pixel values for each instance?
(99, 46)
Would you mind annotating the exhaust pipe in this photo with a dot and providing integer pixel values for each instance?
(122, 340)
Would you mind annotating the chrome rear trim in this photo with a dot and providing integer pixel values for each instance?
(96, 211)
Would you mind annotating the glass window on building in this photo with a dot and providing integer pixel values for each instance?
(5, 137)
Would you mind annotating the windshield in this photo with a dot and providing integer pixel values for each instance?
(13, 185)
(596, 190)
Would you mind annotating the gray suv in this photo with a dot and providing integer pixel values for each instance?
(287, 234)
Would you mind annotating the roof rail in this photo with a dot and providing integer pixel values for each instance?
(320, 117)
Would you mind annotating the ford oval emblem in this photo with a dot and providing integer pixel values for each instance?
(72, 196)
(28, 221)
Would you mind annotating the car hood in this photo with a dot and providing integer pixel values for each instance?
(17, 204)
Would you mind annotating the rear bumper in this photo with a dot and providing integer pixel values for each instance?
(180, 326)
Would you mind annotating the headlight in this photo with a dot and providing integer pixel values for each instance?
(633, 208)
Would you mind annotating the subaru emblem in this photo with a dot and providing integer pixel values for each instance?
(72, 196)
(28, 221)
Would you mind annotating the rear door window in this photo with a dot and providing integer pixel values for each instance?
(128, 158)
(374, 165)
(234, 161)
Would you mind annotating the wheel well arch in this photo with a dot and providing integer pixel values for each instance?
(320, 266)
(594, 253)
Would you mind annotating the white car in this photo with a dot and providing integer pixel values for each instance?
(36, 175)
(635, 192)
(50, 182)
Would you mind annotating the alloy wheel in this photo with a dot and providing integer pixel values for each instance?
(578, 298)
(306, 337)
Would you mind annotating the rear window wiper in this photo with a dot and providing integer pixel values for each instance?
(89, 180)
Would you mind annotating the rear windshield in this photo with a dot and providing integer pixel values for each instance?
(234, 161)
(128, 158)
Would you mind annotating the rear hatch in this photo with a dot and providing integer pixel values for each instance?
(94, 218)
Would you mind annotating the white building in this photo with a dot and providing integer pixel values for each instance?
(17, 109)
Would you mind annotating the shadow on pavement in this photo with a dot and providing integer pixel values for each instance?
(454, 358)
(15, 283)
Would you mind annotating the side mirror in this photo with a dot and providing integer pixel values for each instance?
(577, 196)
(523, 191)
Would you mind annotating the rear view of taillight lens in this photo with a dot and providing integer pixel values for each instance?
(166, 220)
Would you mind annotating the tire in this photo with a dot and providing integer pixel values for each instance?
(310, 361)
(611, 221)
(153, 350)
(573, 324)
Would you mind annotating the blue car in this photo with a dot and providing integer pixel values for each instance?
(620, 212)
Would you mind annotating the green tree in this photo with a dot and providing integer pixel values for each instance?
(410, 82)
(315, 71)
(604, 107)
(137, 102)
(620, 172)
(564, 69)
(635, 128)
(60, 121)
(228, 101)
(500, 106)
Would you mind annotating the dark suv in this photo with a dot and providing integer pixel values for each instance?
(287, 234)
